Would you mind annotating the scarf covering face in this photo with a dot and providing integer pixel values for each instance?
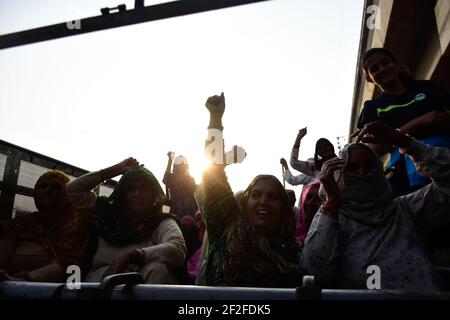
(111, 216)
(64, 235)
(251, 259)
(363, 198)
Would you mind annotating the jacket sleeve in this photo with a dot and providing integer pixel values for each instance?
(431, 204)
(79, 191)
(221, 207)
(169, 246)
(320, 252)
(52, 272)
(302, 166)
(302, 179)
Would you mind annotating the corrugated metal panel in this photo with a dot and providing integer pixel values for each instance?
(2, 165)
(23, 204)
(29, 173)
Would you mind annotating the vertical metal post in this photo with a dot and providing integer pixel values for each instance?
(9, 184)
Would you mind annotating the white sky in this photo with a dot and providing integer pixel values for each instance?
(95, 99)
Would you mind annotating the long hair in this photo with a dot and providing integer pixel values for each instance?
(288, 221)
(318, 162)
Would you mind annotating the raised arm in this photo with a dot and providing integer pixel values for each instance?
(168, 171)
(320, 253)
(79, 191)
(301, 179)
(220, 205)
(297, 164)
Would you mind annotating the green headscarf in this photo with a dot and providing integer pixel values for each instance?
(111, 218)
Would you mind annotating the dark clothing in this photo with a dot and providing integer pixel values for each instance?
(237, 254)
(181, 190)
(422, 97)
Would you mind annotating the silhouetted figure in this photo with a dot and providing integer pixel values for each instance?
(134, 233)
(39, 246)
(181, 187)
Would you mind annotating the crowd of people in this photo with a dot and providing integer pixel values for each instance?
(356, 209)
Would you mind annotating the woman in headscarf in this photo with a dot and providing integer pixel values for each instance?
(134, 233)
(361, 227)
(324, 150)
(310, 203)
(250, 243)
(39, 246)
(180, 186)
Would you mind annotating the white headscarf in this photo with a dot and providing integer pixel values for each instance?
(363, 198)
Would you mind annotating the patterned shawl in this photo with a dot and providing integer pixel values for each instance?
(251, 259)
(64, 234)
(111, 219)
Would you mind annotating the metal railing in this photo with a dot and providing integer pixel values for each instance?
(21, 168)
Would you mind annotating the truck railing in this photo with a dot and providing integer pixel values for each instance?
(19, 170)
(129, 286)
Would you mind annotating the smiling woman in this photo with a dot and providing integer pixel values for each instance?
(418, 108)
(249, 236)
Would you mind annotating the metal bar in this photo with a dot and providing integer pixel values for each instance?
(33, 291)
(115, 20)
(40, 159)
(9, 184)
(46, 162)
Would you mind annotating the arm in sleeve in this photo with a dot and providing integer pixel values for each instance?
(220, 205)
(79, 191)
(52, 272)
(299, 165)
(302, 179)
(432, 202)
(169, 247)
(320, 252)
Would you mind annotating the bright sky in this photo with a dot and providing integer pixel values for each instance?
(95, 99)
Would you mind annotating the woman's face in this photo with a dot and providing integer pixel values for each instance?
(361, 162)
(325, 150)
(264, 207)
(139, 197)
(381, 69)
(48, 194)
